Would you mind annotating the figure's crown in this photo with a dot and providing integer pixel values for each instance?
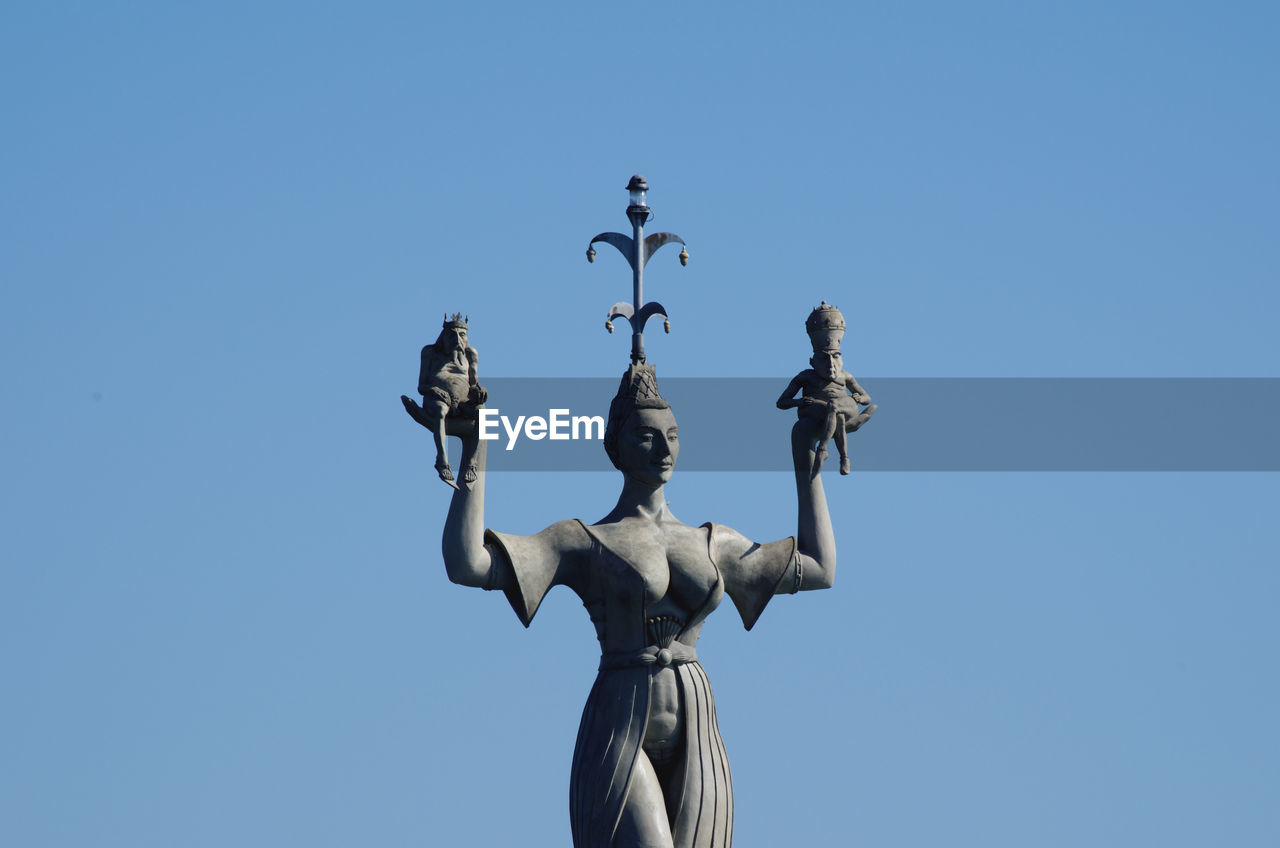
(825, 326)
(456, 321)
(640, 386)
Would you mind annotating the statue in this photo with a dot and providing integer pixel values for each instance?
(830, 396)
(451, 393)
(649, 767)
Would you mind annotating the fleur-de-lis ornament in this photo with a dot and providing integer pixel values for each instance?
(637, 248)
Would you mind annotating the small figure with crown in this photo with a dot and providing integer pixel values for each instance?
(451, 394)
(830, 396)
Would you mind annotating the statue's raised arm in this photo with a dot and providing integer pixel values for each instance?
(524, 568)
(755, 572)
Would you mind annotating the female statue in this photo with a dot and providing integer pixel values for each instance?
(649, 768)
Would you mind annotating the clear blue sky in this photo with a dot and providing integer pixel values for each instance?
(228, 228)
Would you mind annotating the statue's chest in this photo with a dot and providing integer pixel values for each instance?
(822, 388)
(653, 569)
(455, 365)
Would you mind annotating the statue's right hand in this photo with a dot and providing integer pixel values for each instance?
(415, 412)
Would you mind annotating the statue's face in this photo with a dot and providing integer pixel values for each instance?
(457, 337)
(648, 445)
(828, 363)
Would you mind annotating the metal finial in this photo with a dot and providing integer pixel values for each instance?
(637, 249)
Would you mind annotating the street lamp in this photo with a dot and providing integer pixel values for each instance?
(636, 189)
(637, 248)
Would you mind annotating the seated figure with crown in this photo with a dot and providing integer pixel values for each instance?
(830, 397)
(451, 393)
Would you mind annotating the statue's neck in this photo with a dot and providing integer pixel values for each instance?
(640, 500)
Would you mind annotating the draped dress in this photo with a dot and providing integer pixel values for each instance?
(648, 589)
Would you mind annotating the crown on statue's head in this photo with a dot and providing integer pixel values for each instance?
(456, 321)
(825, 326)
(639, 387)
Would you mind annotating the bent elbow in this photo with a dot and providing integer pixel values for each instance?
(465, 575)
(463, 569)
(824, 576)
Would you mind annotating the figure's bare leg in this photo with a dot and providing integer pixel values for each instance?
(842, 445)
(828, 430)
(644, 815)
(442, 452)
(862, 418)
(468, 461)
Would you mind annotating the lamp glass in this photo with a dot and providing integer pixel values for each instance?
(637, 197)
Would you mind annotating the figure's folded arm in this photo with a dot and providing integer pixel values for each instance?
(786, 400)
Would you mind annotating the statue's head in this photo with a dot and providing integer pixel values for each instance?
(641, 435)
(828, 363)
(453, 335)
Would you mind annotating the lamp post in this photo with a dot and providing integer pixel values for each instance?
(637, 248)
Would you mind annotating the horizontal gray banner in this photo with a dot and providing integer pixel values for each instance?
(921, 424)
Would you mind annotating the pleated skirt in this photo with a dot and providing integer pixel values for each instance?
(609, 741)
